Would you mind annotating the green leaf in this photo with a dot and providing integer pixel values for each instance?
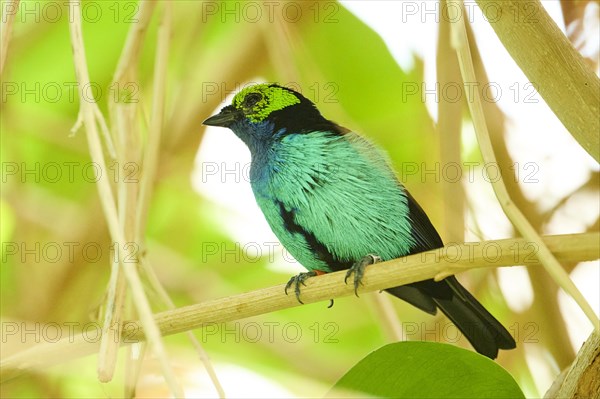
(427, 370)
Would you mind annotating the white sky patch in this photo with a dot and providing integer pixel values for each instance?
(587, 277)
(516, 287)
(491, 221)
(238, 382)
(591, 28)
(570, 217)
(409, 29)
(539, 361)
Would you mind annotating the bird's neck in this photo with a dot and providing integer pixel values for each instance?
(266, 155)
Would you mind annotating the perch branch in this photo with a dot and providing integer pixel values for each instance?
(432, 264)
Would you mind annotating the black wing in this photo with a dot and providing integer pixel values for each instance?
(425, 235)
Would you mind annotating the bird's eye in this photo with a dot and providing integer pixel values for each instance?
(251, 99)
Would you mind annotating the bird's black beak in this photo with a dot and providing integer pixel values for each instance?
(225, 118)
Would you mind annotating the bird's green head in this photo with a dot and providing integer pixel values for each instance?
(256, 104)
(259, 101)
(263, 111)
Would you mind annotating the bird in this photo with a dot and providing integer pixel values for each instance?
(333, 200)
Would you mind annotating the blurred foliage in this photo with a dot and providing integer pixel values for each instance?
(327, 53)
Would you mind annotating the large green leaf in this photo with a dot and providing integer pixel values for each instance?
(428, 370)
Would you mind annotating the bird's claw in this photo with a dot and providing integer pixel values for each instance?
(297, 281)
(358, 268)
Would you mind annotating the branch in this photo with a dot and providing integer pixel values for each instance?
(582, 380)
(439, 263)
(550, 61)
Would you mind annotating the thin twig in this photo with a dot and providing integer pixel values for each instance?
(111, 327)
(86, 116)
(440, 262)
(115, 298)
(387, 314)
(552, 324)
(155, 127)
(134, 41)
(110, 147)
(121, 117)
(135, 359)
(107, 199)
(10, 11)
(560, 276)
(150, 165)
(166, 299)
(449, 128)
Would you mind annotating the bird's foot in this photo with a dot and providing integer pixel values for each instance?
(358, 268)
(297, 281)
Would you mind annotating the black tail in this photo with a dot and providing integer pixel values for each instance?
(483, 331)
